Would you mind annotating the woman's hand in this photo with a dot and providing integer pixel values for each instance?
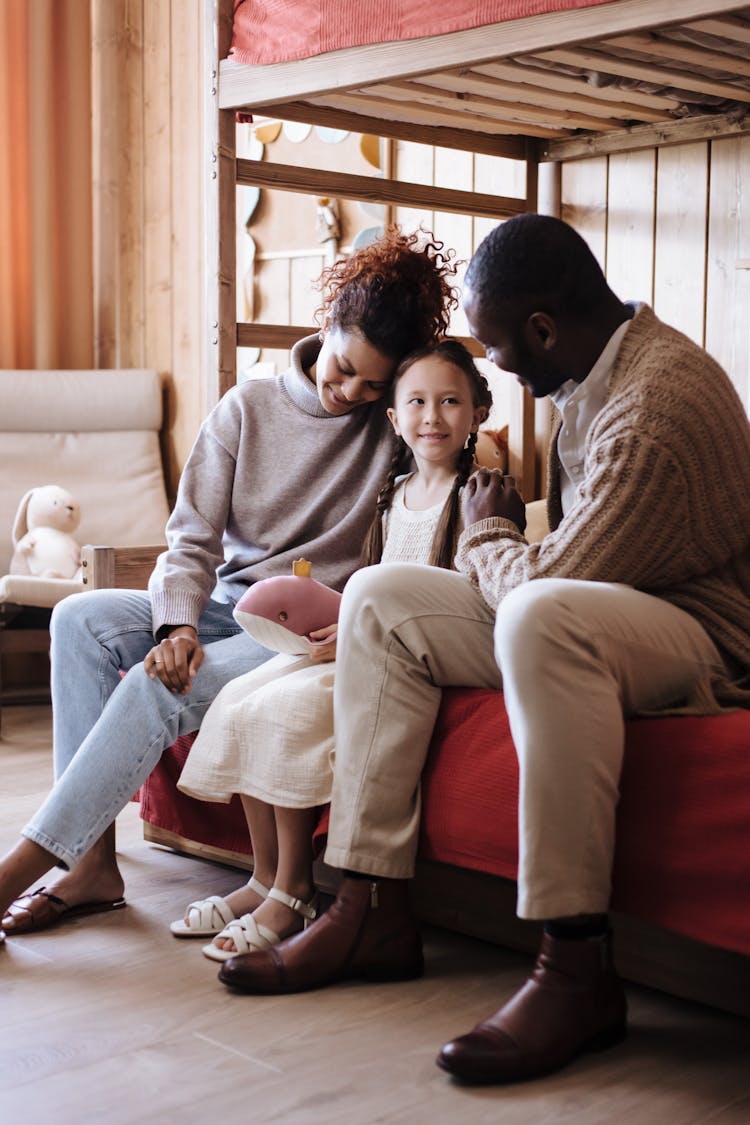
(325, 644)
(489, 493)
(176, 660)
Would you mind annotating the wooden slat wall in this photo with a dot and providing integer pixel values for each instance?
(630, 224)
(680, 239)
(727, 287)
(149, 159)
(669, 227)
(491, 176)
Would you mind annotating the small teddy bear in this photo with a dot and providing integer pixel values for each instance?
(492, 449)
(43, 544)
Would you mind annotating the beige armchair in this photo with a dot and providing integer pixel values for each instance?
(95, 433)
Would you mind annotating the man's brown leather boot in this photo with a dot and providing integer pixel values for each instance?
(369, 932)
(572, 1002)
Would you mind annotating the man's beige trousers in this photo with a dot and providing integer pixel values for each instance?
(574, 660)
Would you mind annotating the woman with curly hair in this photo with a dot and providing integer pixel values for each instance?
(282, 467)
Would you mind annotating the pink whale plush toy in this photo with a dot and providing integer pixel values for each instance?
(281, 612)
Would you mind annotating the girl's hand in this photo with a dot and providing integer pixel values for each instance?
(325, 644)
(489, 493)
(176, 660)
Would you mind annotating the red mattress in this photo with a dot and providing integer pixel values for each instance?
(683, 850)
(272, 31)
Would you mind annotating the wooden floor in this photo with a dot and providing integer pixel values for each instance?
(110, 1019)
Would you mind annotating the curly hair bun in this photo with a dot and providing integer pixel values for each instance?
(397, 292)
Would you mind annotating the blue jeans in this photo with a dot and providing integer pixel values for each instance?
(109, 732)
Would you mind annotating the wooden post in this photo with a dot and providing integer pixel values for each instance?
(220, 219)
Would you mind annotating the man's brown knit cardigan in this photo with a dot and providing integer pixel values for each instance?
(664, 505)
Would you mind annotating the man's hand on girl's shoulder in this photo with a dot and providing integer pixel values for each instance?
(489, 493)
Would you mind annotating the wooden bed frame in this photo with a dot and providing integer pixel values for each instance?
(548, 89)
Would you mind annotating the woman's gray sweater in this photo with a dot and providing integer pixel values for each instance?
(272, 477)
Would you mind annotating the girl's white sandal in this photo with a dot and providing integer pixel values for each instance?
(208, 916)
(249, 935)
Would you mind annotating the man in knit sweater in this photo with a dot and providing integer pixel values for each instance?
(637, 601)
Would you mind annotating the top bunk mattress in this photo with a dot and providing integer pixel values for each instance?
(273, 31)
(569, 78)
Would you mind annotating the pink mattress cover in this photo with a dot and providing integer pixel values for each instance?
(273, 31)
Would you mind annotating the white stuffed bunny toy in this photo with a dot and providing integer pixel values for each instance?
(43, 544)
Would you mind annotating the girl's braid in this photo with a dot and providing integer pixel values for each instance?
(445, 540)
(373, 546)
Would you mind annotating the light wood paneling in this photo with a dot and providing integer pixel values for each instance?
(496, 174)
(728, 288)
(677, 219)
(508, 177)
(194, 385)
(584, 202)
(131, 187)
(273, 291)
(149, 302)
(455, 170)
(105, 175)
(489, 177)
(680, 265)
(303, 296)
(157, 218)
(630, 225)
(415, 163)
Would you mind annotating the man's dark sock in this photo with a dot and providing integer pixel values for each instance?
(594, 927)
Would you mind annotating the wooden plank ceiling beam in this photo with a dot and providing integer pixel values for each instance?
(317, 181)
(287, 335)
(723, 29)
(708, 127)
(547, 78)
(666, 49)
(513, 147)
(435, 116)
(646, 72)
(575, 94)
(565, 110)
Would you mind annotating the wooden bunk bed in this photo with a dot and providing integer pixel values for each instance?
(611, 76)
(583, 77)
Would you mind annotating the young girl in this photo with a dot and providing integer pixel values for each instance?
(241, 515)
(269, 734)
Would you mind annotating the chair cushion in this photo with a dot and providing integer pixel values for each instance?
(95, 433)
(24, 589)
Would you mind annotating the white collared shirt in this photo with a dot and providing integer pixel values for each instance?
(579, 404)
